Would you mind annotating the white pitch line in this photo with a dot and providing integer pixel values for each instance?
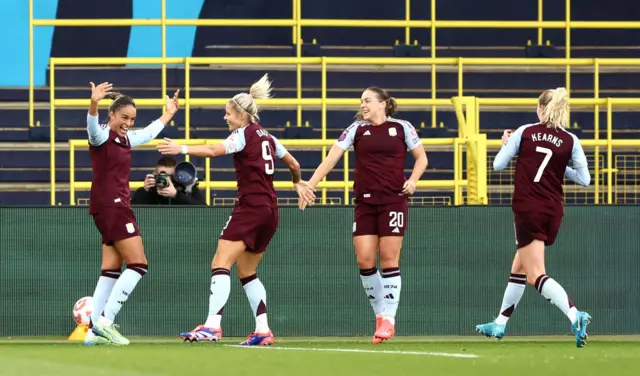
(397, 352)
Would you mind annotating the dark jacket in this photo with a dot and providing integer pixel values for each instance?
(142, 197)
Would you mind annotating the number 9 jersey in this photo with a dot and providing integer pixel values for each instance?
(544, 154)
(254, 153)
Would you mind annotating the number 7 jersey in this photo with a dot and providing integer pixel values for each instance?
(254, 153)
(543, 157)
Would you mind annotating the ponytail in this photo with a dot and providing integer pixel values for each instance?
(556, 107)
(391, 106)
(244, 102)
(261, 89)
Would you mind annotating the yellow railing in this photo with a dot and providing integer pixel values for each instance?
(325, 103)
(296, 22)
(207, 184)
(457, 183)
(323, 63)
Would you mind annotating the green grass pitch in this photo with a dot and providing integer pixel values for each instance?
(327, 356)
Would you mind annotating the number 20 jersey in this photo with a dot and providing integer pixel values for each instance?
(543, 157)
(254, 155)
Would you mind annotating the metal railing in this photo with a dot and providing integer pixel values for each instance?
(457, 183)
(323, 63)
(325, 102)
(296, 22)
(207, 184)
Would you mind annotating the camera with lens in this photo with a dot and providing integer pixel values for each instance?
(162, 180)
(186, 176)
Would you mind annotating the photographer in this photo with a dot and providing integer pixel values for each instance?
(161, 188)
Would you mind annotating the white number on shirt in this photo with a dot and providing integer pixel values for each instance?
(267, 155)
(544, 163)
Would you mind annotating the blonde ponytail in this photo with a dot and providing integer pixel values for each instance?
(244, 102)
(556, 107)
(261, 89)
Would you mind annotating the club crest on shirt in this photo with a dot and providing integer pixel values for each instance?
(393, 132)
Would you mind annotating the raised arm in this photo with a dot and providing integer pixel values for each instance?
(97, 134)
(151, 131)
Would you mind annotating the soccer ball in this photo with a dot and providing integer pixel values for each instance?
(82, 310)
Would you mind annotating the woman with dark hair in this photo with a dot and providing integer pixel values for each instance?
(381, 189)
(110, 205)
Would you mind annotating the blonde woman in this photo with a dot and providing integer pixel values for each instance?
(254, 219)
(544, 151)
